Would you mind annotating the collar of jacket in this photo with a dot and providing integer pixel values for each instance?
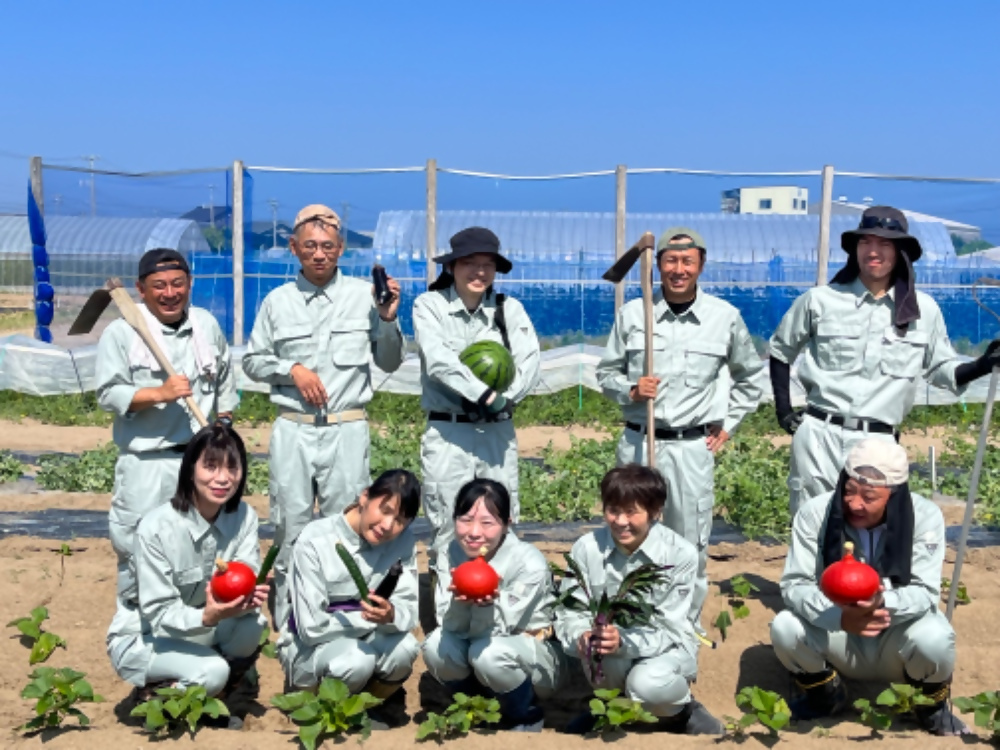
(661, 308)
(353, 542)
(487, 305)
(310, 291)
(648, 548)
(199, 528)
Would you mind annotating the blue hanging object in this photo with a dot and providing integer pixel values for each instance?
(44, 293)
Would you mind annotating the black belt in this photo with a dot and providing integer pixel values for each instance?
(662, 433)
(444, 416)
(851, 423)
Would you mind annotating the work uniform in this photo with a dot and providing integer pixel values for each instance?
(454, 449)
(859, 374)
(689, 353)
(318, 453)
(919, 641)
(151, 442)
(160, 636)
(655, 662)
(316, 641)
(503, 643)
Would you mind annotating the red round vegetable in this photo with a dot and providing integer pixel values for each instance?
(232, 580)
(475, 579)
(849, 581)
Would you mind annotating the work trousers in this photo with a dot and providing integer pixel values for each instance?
(660, 683)
(386, 656)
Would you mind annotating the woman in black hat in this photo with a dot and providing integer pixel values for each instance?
(865, 340)
(469, 429)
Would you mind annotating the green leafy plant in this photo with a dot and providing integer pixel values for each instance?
(567, 487)
(10, 468)
(172, 707)
(723, 622)
(986, 707)
(64, 551)
(92, 471)
(268, 647)
(258, 476)
(56, 693)
(42, 642)
(740, 589)
(760, 706)
(332, 710)
(64, 410)
(894, 700)
(750, 486)
(466, 713)
(630, 606)
(611, 711)
(961, 596)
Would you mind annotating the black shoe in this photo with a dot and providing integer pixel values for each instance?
(817, 695)
(582, 723)
(469, 686)
(694, 718)
(937, 718)
(390, 713)
(518, 712)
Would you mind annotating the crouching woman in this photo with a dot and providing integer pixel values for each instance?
(327, 630)
(655, 661)
(172, 630)
(500, 642)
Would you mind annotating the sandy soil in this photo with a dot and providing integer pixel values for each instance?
(81, 603)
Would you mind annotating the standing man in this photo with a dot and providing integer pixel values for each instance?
(152, 426)
(694, 336)
(865, 339)
(312, 342)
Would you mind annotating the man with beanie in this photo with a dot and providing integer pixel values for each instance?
(695, 336)
(899, 634)
(865, 339)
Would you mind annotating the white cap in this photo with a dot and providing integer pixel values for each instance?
(888, 459)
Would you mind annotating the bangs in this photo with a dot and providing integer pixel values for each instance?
(222, 451)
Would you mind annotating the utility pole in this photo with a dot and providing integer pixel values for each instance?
(345, 213)
(274, 221)
(211, 205)
(92, 158)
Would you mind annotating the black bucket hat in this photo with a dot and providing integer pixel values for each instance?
(887, 222)
(471, 241)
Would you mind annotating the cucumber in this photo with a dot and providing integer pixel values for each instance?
(352, 568)
(388, 585)
(268, 564)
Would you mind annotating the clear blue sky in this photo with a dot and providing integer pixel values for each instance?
(518, 87)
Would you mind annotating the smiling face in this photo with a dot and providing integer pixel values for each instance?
(318, 246)
(474, 274)
(629, 524)
(166, 294)
(680, 269)
(216, 480)
(479, 528)
(876, 258)
(864, 505)
(380, 519)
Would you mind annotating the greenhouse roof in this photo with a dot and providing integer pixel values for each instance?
(740, 238)
(85, 235)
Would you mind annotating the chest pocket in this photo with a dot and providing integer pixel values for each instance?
(838, 347)
(903, 356)
(190, 583)
(349, 342)
(635, 346)
(702, 362)
(294, 342)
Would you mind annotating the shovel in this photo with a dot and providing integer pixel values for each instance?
(977, 466)
(114, 291)
(642, 249)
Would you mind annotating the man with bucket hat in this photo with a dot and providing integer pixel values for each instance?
(864, 339)
(696, 335)
(470, 432)
(312, 342)
(899, 634)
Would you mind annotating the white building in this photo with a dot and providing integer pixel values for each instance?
(842, 207)
(782, 199)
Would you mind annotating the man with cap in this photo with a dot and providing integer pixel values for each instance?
(695, 335)
(865, 338)
(470, 432)
(899, 634)
(312, 342)
(152, 425)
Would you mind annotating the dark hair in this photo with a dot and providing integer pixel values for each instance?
(494, 495)
(637, 484)
(398, 483)
(216, 442)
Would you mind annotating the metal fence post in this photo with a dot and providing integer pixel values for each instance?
(826, 206)
(432, 198)
(620, 172)
(238, 247)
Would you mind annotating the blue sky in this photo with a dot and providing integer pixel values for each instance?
(516, 87)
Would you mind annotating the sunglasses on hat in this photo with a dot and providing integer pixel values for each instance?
(885, 222)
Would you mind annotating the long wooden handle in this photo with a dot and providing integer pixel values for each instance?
(647, 243)
(133, 316)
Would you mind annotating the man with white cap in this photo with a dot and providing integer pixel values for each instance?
(864, 339)
(312, 342)
(695, 337)
(897, 635)
(152, 426)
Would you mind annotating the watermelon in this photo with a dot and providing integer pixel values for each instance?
(491, 363)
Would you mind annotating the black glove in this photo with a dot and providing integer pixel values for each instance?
(991, 357)
(791, 421)
(501, 410)
(473, 410)
(977, 368)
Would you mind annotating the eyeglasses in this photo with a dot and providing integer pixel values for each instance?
(885, 222)
(311, 247)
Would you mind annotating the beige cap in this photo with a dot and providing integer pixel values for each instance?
(316, 212)
(889, 459)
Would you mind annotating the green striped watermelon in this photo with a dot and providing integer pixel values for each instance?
(491, 363)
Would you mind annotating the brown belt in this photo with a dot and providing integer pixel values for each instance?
(323, 420)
